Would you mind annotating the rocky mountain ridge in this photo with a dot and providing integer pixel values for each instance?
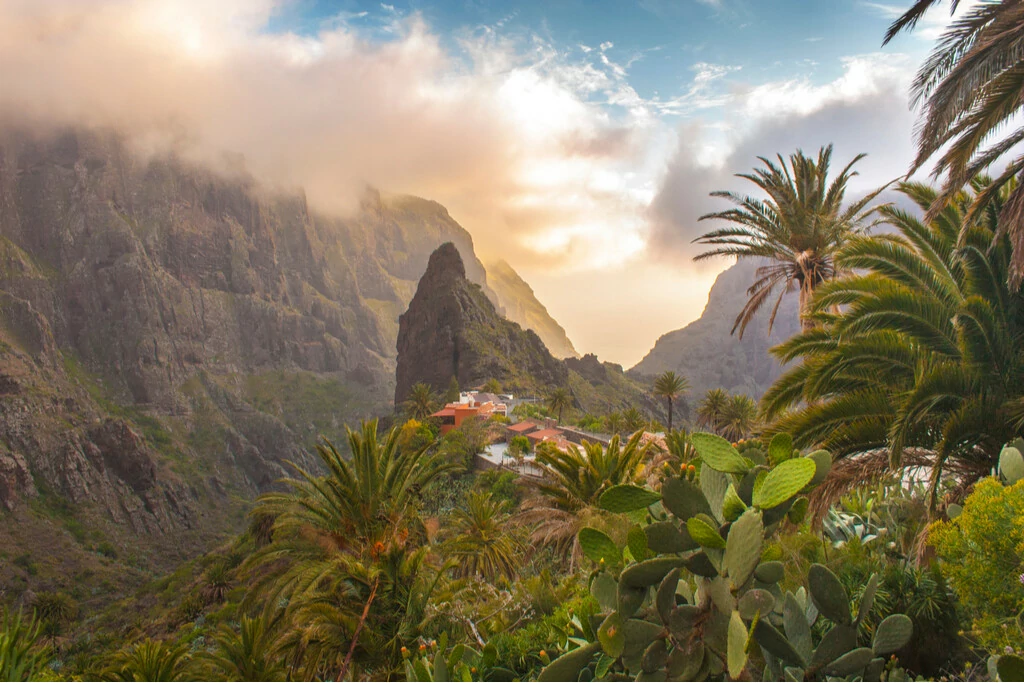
(452, 330)
(169, 337)
(709, 356)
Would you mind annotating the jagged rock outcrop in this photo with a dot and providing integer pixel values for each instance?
(452, 329)
(710, 357)
(520, 305)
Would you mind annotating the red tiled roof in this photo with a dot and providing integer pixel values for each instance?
(544, 434)
(523, 427)
(445, 412)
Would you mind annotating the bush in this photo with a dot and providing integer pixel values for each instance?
(501, 485)
(981, 552)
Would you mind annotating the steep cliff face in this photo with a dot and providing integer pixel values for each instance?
(169, 337)
(710, 357)
(521, 306)
(452, 329)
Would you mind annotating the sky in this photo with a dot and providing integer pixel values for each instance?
(577, 139)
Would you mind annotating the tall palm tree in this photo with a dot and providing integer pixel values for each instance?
(798, 228)
(558, 400)
(421, 403)
(485, 545)
(739, 417)
(670, 386)
(347, 551)
(573, 482)
(923, 364)
(970, 87)
(711, 409)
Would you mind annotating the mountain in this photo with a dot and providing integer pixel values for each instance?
(170, 337)
(709, 356)
(452, 329)
(521, 306)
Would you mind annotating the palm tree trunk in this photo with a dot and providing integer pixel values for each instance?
(359, 627)
(806, 292)
(669, 413)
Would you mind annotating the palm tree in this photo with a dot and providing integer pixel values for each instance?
(970, 88)
(573, 482)
(149, 660)
(739, 417)
(558, 400)
(484, 544)
(798, 228)
(251, 654)
(421, 403)
(670, 386)
(711, 410)
(613, 423)
(347, 551)
(922, 366)
(633, 420)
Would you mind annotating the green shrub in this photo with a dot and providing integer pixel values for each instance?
(982, 554)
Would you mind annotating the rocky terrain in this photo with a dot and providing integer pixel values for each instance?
(709, 356)
(452, 329)
(170, 337)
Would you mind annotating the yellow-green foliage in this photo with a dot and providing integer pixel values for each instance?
(982, 553)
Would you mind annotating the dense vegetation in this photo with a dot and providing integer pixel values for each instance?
(864, 522)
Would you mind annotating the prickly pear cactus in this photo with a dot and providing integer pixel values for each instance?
(703, 605)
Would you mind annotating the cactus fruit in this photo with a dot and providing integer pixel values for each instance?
(705, 603)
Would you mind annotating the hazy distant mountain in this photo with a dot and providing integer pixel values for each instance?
(521, 306)
(709, 356)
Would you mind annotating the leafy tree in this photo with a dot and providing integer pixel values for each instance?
(970, 89)
(492, 386)
(150, 660)
(798, 228)
(711, 411)
(249, 654)
(462, 445)
(558, 400)
(670, 386)
(573, 483)
(452, 395)
(485, 545)
(613, 423)
(922, 365)
(347, 552)
(422, 402)
(23, 657)
(518, 446)
(416, 435)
